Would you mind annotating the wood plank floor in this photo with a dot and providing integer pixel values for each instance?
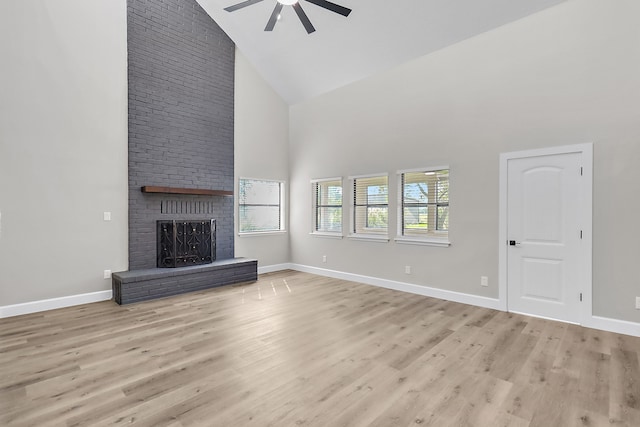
(296, 349)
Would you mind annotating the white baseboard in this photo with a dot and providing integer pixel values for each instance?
(53, 303)
(274, 268)
(613, 325)
(404, 287)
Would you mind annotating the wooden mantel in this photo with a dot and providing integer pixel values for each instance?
(189, 191)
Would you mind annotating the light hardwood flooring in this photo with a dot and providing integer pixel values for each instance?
(294, 349)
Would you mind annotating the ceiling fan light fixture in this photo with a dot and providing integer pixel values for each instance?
(304, 19)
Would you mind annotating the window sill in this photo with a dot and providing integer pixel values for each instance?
(326, 234)
(261, 233)
(422, 242)
(369, 238)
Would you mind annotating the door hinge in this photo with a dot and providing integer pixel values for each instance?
(581, 170)
(580, 296)
(581, 234)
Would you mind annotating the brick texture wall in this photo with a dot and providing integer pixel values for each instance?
(181, 86)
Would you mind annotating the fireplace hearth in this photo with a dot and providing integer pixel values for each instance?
(183, 243)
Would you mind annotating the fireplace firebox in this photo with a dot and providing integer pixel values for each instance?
(182, 243)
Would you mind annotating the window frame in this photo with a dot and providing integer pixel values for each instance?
(374, 234)
(430, 237)
(281, 207)
(316, 206)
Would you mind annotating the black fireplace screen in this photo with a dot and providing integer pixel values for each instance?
(187, 242)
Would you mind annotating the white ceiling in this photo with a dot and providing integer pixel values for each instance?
(377, 35)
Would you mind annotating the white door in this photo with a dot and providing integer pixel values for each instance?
(545, 260)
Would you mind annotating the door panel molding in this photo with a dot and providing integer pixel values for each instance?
(586, 151)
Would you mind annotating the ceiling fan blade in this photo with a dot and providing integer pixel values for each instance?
(303, 18)
(274, 17)
(332, 7)
(241, 5)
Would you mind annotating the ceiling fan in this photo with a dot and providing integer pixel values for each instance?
(296, 6)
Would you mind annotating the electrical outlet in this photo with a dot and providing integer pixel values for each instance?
(107, 274)
(484, 281)
(637, 303)
(407, 269)
(324, 258)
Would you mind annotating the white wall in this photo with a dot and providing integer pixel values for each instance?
(261, 151)
(63, 147)
(567, 75)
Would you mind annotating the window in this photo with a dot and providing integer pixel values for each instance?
(424, 204)
(327, 199)
(370, 205)
(260, 205)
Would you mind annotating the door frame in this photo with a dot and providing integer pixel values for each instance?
(586, 252)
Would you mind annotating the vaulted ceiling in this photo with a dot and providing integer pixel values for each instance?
(377, 35)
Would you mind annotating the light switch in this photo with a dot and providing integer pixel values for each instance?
(107, 216)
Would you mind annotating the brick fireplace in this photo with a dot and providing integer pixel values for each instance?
(181, 123)
(181, 127)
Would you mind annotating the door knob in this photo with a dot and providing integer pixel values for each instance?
(513, 243)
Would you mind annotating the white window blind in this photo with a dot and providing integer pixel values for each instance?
(327, 195)
(260, 205)
(424, 209)
(371, 205)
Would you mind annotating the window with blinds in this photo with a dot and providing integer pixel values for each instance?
(260, 205)
(371, 205)
(424, 210)
(327, 196)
